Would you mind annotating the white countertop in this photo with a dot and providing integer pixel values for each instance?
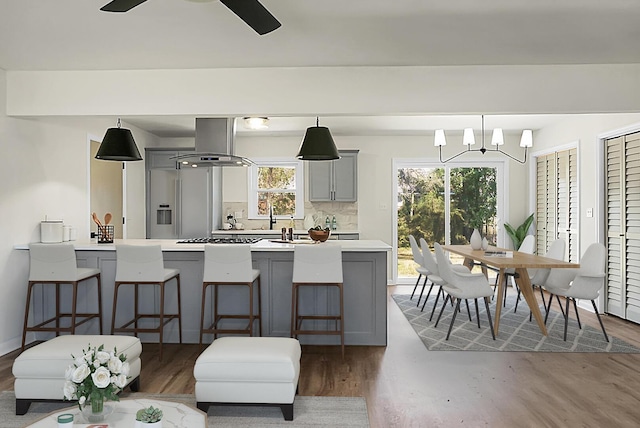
(363, 245)
(275, 232)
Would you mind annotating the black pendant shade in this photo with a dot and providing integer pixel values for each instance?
(118, 145)
(318, 145)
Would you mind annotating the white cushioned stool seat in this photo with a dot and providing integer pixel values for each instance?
(39, 371)
(249, 370)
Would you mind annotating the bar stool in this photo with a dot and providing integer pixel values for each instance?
(229, 265)
(138, 265)
(56, 264)
(317, 265)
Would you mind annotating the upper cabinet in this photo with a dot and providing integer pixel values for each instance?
(335, 180)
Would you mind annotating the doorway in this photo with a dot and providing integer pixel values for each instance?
(444, 203)
(106, 190)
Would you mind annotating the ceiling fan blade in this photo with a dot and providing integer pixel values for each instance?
(254, 14)
(121, 5)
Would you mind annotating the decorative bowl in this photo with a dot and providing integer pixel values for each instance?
(319, 235)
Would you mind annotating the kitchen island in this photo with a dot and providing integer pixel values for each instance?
(365, 281)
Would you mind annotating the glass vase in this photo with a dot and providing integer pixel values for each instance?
(97, 411)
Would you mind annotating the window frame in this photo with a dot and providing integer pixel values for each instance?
(252, 179)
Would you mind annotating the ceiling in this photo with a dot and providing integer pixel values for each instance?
(186, 34)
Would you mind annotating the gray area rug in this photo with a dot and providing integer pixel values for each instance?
(517, 333)
(308, 412)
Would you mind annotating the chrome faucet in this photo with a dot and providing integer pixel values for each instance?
(272, 220)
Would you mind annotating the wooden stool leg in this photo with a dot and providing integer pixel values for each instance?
(204, 297)
(99, 302)
(259, 307)
(179, 310)
(250, 309)
(161, 315)
(74, 303)
(26, 315)
(57, 309)
(115, 302)
(215, 311)
(341, 317)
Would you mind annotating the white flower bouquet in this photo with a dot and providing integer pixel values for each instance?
(96, 376)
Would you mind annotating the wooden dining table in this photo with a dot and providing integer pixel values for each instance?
(520, 262)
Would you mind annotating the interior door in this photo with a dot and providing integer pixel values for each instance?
(106, 189)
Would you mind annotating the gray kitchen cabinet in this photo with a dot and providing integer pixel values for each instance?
(335, 180)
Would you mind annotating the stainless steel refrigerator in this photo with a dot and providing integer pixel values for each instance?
(182, 202)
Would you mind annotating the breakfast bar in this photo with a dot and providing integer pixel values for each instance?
(365, 282)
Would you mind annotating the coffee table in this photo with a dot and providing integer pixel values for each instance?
(175, 415)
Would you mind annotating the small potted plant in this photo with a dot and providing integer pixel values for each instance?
(149, 417)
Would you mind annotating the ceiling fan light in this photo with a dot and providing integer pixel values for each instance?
(527, 138)
(118, 145)
(468, 139)
(318, 145)
(497, 139)
(439, 139)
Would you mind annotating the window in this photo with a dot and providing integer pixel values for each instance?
(276, 183)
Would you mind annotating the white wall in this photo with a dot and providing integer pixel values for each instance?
(45, 172)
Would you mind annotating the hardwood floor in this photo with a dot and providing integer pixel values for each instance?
(407, 386)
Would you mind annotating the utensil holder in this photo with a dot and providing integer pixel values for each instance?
(105, 234)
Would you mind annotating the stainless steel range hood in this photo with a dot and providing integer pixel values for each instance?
(215, 144)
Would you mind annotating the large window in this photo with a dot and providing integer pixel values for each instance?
(276, 184)
(444, 204)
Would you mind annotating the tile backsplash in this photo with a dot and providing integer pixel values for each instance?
(346, 215)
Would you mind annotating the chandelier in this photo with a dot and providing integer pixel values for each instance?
(497, 140)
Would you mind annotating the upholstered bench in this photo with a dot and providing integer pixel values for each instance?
(39, 371)
(261, 371)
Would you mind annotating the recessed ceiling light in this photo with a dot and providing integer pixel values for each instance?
(256, 122)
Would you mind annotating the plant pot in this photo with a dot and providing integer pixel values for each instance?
(485, 243)
(148, 425)
(476, 240)
(96, 413)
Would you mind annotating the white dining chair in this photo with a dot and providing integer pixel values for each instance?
(434, 276)
(418, 259)
(538, 277)
(582, 283)
(462, 286)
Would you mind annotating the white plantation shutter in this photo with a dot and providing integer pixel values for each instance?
(557, 201)
(615, 268)
(623, 226)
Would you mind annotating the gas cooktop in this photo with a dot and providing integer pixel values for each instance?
(219, 241)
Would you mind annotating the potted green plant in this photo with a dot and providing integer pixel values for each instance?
(518, 234)
(149, 417)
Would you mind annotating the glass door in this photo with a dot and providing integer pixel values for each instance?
(444, 204)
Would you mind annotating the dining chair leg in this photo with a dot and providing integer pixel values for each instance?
(477, 312)
(560, 304)
(566, 320)
(415, 286)
(424, 285)
(466, 301)
(547, 309)
(453, 318)
(575, 308)
(440, 291)
(486, 305)
(599, 320)
(444, 304)
(426, 298)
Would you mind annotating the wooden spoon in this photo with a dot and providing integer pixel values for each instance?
(96, 220)
(107, 218)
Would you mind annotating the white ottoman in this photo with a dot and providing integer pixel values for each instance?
(262, 371)
(39, 371)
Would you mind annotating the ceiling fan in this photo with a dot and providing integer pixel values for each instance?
(250, 11)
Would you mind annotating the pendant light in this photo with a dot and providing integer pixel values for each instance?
(318, 144)
(118, 145)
